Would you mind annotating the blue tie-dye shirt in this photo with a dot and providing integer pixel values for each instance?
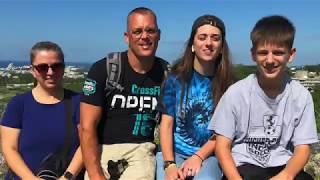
(191, 122)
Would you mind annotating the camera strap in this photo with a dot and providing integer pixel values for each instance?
(69, 125)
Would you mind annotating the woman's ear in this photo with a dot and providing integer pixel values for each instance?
(31, 70)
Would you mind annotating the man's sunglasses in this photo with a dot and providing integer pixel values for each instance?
(43, 68)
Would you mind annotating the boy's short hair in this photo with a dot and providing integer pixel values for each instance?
(277, 30)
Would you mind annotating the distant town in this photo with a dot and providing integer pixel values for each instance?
(15, 72)
(309, 79)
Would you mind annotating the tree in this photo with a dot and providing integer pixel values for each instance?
(242, 71)
(316, 101)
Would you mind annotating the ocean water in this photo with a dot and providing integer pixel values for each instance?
(5, 63)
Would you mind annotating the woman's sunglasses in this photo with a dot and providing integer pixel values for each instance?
(43, 68)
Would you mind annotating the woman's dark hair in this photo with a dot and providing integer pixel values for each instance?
(223, 76)
(46, 46)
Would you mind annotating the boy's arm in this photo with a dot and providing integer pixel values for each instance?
(295, 164)
(305, 133)
(223, 153)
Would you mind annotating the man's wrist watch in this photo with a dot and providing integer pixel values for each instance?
(68, 175)
(166, 164)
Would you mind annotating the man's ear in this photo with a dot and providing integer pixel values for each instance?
(159, 34)
(253, 54)
(293, 52)
(126, 37)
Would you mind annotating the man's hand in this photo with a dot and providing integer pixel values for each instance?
(98, 177)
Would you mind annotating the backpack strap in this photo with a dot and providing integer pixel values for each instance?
(166, 67)
(113, 66)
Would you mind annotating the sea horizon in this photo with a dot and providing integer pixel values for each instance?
(18, 63)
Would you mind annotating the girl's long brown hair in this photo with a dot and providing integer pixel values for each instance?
(223, 73)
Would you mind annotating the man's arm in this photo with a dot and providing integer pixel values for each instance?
(295, 164)
(89, 118)
(223, 153)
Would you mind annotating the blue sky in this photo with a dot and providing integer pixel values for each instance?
(88, 29)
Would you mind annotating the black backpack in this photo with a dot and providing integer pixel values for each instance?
(113, 66)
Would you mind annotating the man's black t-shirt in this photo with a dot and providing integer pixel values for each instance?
(129, 114)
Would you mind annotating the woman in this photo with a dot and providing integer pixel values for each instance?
(189, 96)
(34, 123)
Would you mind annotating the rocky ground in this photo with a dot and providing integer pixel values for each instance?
(313, 166)
(3, 167)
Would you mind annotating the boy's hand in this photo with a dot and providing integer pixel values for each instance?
(282, 176)
(191, 166)
(173, 173)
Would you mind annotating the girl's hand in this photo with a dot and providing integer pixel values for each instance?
(191, 166)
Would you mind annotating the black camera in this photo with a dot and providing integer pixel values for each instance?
(116, 168)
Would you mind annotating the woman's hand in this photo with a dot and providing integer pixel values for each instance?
(173, 173)
(32, 178)
(191, 166)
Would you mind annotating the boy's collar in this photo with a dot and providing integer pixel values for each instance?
(272, 88)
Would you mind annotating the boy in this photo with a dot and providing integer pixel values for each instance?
(266, 119)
